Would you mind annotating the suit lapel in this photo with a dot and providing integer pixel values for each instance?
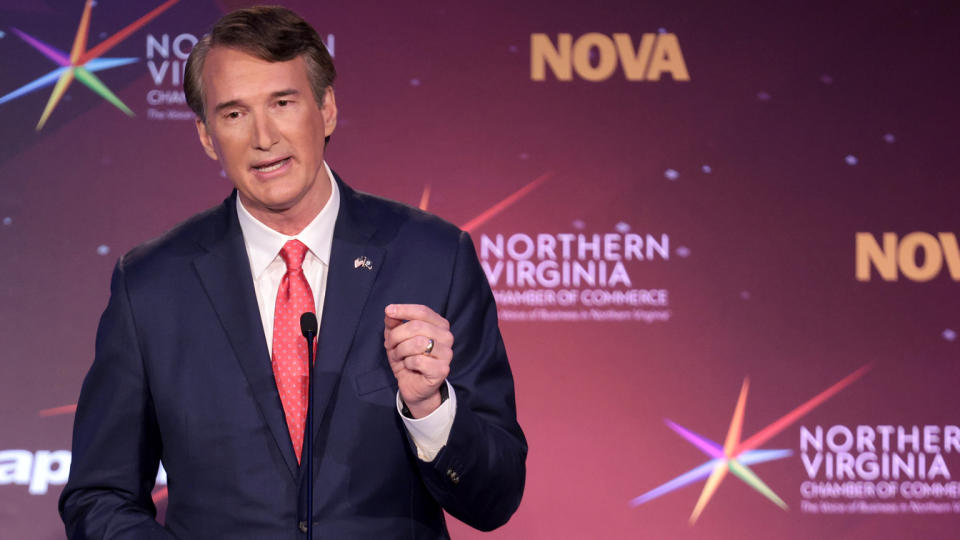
(348, 286)
(224, 271)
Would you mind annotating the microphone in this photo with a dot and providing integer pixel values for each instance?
(308, 326)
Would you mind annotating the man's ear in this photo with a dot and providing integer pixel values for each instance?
(329, 112)
(206, 140)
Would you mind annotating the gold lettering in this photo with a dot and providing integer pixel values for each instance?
(869, 251)
(634, 62)
(542, 52)
(907, 256)
(606, 53)
(667, 58)
(951, 253)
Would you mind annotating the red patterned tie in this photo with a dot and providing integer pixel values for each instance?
(289, 346)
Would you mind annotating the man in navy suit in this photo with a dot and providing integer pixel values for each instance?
(196, 364)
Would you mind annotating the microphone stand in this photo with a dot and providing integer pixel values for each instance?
(308, 326)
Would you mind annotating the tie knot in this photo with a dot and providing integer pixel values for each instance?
(292, 254)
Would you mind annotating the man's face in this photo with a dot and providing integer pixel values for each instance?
(267, 130)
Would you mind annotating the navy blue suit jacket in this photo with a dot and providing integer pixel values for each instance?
(182, 374)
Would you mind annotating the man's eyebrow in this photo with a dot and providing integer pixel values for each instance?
(284, 93)
(227, 105)
(273, 95)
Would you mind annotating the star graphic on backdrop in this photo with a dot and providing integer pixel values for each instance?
(735, 456)
(497, 208)
(81, 63)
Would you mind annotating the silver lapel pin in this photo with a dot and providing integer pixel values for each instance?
(364, 262)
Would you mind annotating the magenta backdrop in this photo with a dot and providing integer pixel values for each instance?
(801, 125)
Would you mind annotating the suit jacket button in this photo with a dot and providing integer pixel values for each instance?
(453, 476)
(303, 527)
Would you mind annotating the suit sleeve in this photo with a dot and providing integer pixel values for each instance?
(478, 476)
(116, 442)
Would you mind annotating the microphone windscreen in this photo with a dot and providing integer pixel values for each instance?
(308, 324)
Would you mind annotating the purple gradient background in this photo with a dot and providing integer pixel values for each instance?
(776, 217)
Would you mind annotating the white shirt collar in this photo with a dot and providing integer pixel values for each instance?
(264, 244)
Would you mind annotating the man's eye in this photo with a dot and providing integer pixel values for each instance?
(283, 102)
(233, 115)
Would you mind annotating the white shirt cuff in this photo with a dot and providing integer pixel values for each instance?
(431, 432)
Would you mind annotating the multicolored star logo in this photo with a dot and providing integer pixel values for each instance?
(81, 63)
(735, 456)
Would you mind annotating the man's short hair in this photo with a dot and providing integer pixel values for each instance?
(271, 33)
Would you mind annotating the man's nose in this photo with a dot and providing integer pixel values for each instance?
(265, 133)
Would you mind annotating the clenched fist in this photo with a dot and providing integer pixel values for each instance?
(420, 368)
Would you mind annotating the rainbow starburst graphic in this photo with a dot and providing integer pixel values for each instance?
(736, 456)
(81, 63)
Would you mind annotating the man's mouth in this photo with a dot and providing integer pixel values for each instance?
(271, 166)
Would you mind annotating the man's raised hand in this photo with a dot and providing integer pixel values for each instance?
(419, 347)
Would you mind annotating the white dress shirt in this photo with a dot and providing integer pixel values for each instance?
(263, 246)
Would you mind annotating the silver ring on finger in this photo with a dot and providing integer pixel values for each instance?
(429, 348)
